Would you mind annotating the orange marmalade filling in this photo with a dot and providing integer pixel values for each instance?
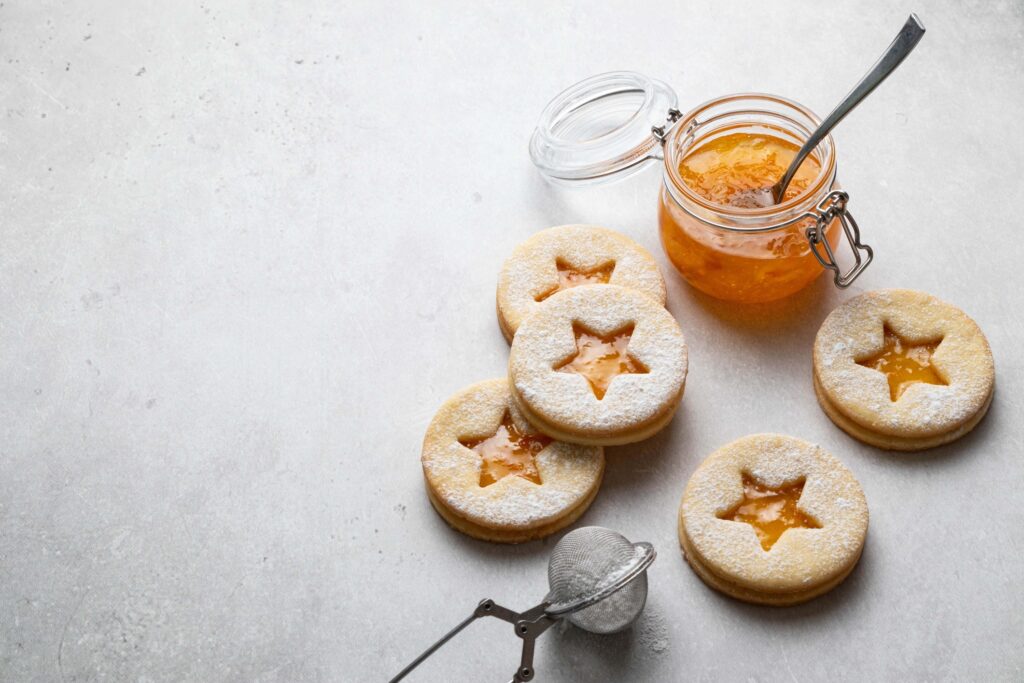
(569, 277)
(600, 359)
(770, 511)
(740, 168)
(904, 364)
(736, 171)
(508, 451)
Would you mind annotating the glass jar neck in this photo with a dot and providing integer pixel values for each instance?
(747, 113)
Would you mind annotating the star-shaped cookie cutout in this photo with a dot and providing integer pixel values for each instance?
(569, 277)
(508, 452)
(903, 363)
(602, 358)
(771, 511)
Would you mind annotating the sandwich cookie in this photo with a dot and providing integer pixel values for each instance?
(600, 365)
(772, 520)
(492, 476)
(903, 370)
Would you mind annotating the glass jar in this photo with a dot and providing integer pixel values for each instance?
(612, 125)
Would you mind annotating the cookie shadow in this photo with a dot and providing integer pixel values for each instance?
(957, 451)
(815, 613)
(633, 466)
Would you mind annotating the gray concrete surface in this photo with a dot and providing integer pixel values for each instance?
(246, 250)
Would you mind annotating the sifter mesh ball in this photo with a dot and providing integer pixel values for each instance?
(598, 579)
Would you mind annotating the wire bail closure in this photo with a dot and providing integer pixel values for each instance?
(662, 132)
(831, 207)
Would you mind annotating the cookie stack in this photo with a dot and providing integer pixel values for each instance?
(596, 360)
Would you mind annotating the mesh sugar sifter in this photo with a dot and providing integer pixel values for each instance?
(597, 580)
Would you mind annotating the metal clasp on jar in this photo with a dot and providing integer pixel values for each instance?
(662, 132)
(831, 207)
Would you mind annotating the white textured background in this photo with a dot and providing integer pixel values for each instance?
(246, 249)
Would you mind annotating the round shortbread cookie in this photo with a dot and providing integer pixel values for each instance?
(768, 561)
(599, 364)
(902, 370)
(484, 498)
(565, 256)
(803, 560)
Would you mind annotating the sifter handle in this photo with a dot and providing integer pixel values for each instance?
(433, 648)
(488, 608)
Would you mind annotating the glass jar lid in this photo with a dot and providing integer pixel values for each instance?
(601, 128)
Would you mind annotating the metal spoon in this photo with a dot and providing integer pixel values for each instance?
(908, 38)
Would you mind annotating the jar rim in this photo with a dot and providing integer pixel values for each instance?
(807, 199)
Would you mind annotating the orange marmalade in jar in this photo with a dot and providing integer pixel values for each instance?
(718, 162)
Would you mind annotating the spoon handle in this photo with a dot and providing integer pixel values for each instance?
(908, 38)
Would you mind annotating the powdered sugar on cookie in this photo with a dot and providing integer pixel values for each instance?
(531, 270)
(563, 404)
(802, 558)
(569, 473)
(854, 331)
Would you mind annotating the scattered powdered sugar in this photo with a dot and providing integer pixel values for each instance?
(854, 331)
(653, 631)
